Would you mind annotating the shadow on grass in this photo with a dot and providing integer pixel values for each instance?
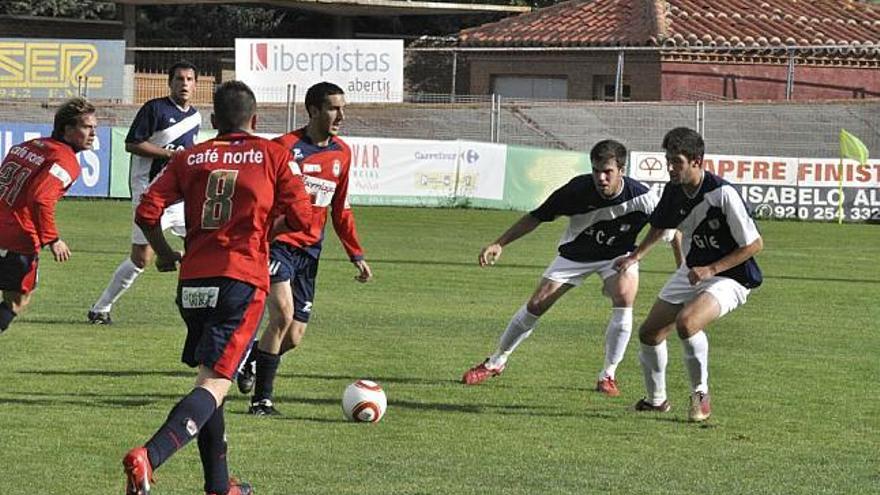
(377, 379)
(111, 373)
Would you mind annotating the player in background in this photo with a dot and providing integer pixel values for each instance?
(325, 160)
(231, 185)
(161, 128)
(33, 177)
(606, 211)
(719, 242)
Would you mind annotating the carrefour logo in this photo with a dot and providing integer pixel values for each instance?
(470, 156)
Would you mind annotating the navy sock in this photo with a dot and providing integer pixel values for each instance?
(183, 423)
(6, 316)
(267, 368)
(212, 450)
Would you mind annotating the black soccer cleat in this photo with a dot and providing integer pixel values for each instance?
(100, 318)
(263, 407)
(247, 377)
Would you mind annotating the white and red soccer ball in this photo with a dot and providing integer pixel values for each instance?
(364, 401)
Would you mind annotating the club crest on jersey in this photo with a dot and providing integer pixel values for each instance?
(337, 168)
(714, 224)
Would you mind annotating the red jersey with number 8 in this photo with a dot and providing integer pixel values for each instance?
(229, 186)
(33, 177)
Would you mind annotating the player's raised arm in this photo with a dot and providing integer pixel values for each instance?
(491, 253)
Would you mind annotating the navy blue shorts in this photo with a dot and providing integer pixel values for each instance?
(18, 272)
(288, 263)
(222, 316)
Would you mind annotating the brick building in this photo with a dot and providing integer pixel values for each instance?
(680, 50)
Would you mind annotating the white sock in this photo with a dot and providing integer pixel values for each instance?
(616, 339)
(519, 329)
(123, 277)
(696, 360)
(654, 359)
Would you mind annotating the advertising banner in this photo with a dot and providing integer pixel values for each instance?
(533, 173)
(59, 68)
(94, 178)
(426, 173)
(783, 187)
(367, 70)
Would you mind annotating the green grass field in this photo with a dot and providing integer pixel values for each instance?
(793, 373)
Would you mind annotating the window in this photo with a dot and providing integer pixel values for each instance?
(603, 88)
(540, 87)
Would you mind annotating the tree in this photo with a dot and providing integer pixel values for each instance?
(75, 9)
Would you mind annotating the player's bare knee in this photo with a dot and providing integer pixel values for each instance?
(650, 335)
(686, 326)
(536, 306)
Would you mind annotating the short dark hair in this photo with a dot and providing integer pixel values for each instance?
(685, 141)
(234, 105)
(316, 94)
(608, 149)
(182, 64)
(68, 113)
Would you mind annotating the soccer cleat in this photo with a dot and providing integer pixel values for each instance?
(480, 373)
(700, 409)
(608, 386)
(138, 472)
(644, 405)
(237, 488)
(247, 377)
(100, 318)
(263, 407)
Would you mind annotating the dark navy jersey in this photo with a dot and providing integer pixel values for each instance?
(599, 228)
(163, 123)
(713, 223)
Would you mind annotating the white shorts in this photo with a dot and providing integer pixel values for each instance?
(729, 293)
(173, 218)
(566, 271)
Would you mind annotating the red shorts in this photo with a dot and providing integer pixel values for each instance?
(222, 316)
(18, 272)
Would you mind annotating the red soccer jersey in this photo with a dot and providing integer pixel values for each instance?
(229, 186)
(33, 177)
(325, 173)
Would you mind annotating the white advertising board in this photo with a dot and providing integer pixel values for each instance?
(367, 70)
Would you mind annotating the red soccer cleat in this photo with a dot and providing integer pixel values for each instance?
(608, 386)
(138, 472)
(480, 373)
(644, 405)
(700, 409)
(237, 488)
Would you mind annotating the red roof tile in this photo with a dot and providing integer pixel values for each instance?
(684, 23)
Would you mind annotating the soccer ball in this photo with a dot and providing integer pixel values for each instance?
(364, 401)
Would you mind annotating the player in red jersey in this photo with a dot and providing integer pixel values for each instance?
(325, 160)
(230, 185)
(33, 177)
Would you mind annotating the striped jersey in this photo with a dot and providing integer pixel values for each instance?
(714, 222)
(162, 122)
(599, 228)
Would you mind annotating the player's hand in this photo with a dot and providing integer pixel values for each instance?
(60, 251)
(364, 272)
(698, 274)
(168, 263)
(490, 254)
(623, 263)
